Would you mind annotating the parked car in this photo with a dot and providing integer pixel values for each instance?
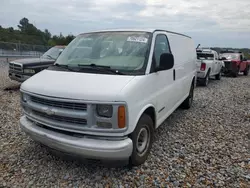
(107, 106)
(208, 65)
(235, 62)
(22, 69)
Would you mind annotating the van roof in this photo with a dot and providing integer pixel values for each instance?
(150, 30)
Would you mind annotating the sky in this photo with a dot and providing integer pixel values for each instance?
(211, 23)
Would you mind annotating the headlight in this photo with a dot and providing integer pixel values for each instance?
(104, 110)
(29, 71)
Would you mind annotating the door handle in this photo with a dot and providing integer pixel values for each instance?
(174, 74)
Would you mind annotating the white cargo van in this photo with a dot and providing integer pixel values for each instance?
(108, 91)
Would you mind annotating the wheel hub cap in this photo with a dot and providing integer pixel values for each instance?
(142, 141)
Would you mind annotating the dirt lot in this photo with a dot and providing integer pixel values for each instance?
(206, 146)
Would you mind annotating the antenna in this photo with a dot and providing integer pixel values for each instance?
(198, 46)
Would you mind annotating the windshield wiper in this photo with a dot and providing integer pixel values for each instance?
(51, 57)
(100, 67)
(63, 66)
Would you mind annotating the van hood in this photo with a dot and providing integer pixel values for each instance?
(74, 85)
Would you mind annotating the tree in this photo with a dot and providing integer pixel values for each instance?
(29, 34)
(24, 23)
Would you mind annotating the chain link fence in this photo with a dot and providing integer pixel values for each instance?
(9, 49)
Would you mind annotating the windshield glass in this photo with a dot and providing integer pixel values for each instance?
(231, 56)
(205, 56)
(52, 53)
(126, 52)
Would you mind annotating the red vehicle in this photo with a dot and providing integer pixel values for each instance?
(235, 62)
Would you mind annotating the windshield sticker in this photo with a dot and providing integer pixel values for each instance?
(137, 39)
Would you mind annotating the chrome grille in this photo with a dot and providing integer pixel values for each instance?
(59, 104)
(60, 118)
(15, 67)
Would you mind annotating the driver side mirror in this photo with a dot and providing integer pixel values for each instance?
(166, 62)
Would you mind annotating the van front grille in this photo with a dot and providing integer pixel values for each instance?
(59, 104)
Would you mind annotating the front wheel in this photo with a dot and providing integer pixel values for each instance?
(218, 76)
(142, 138)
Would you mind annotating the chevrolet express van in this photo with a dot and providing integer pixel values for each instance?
(108, 91)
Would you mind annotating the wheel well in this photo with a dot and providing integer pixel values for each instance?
(151, 113)
(209, 70)
(194, 81)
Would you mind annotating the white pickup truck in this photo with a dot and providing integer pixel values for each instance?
(208, 65)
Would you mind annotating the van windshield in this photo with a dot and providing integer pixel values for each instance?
(126, 52)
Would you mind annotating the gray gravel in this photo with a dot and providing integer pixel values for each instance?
(206, 146)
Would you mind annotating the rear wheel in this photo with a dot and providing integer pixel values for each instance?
(204, 81)
(189, 100)
(142, 138)
(246, 71)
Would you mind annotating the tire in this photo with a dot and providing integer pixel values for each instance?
(246, 71)
(218, 76)
(204, 82)
(142, 147)
(189, 100)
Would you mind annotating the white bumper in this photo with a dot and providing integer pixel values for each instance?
(85, 147)
(201, 74)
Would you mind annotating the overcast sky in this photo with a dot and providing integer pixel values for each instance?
(223, 23)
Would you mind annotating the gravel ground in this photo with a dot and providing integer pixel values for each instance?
(206, 146)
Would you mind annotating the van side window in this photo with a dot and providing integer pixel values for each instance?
(161, 46)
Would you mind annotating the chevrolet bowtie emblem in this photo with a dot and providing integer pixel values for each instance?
(49, 111)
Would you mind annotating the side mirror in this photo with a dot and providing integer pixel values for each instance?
(166, 62)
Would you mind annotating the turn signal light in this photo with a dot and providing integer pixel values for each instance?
(121, 117)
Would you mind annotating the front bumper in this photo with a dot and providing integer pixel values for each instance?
(229, 67)
(94, 148)
(18, 77)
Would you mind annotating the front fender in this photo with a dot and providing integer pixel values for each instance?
(142, 111)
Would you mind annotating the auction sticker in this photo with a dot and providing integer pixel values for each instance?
(137, 39)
